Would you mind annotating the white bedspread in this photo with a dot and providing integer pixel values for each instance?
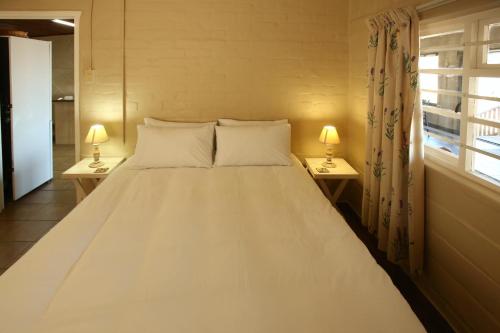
(244, 249)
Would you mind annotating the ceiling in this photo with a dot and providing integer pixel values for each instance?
(37, 28)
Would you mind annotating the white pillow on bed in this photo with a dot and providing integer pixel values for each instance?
(233, 122)
(162, 123)
(253, 145)
(160, 147)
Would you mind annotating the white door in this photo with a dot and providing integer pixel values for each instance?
(31, 114)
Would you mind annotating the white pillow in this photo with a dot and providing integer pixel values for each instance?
(160, 147)
(233, 122)
(162, 123)
(253, 145)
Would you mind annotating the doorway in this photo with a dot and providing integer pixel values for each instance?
(60, 30)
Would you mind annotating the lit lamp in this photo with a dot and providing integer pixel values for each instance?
(97, 135)
(329, 137)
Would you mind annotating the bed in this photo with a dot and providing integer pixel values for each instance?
(223, 249)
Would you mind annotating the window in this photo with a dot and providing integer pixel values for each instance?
(493, 33)
(430, 81)
(460, 93)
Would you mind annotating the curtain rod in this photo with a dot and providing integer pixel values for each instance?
(432, 4)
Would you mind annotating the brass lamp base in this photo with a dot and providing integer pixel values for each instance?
(96, 164)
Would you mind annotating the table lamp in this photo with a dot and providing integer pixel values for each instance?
(329, 137)
(97, 135)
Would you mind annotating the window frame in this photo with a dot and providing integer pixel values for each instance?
(482, 43)
(475, 49)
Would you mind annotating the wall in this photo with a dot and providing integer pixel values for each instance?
(462, 270)
(62, 65)
(201, 60)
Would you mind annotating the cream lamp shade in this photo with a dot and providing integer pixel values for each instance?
(97, 135)
(329, 137)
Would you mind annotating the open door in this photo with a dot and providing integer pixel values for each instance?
(31, 113)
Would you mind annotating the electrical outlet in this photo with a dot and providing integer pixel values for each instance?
(89, 75)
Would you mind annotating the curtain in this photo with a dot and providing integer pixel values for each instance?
(393, 195)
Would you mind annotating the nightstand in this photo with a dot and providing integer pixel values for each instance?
(85, 178)
(343, 171)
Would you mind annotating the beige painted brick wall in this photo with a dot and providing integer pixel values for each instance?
(202, 60)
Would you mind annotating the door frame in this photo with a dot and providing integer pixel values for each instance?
(48, 15)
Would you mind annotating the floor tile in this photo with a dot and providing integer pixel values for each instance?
(58, 174)
(25, 221)
(63, 163)
(47, 196)
(63, 157)
(58, 184)
(54, 211)
(24, 230)
(10, 252)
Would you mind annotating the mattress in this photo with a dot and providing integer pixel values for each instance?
(232, 249)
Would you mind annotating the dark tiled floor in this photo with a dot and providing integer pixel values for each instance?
(25, 221)
(425, 311)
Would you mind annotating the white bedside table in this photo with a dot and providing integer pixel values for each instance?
(85, 178)
(342, 171)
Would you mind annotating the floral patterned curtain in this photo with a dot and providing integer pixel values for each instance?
(393, 206)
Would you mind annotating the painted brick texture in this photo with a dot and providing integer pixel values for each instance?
(202, 60)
